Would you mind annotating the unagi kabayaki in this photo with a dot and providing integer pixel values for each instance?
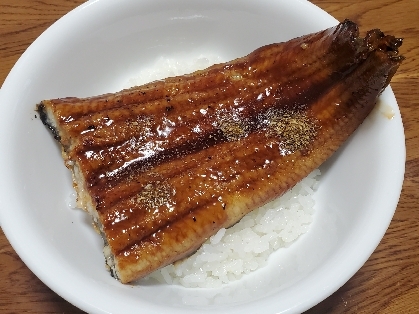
(163, 166)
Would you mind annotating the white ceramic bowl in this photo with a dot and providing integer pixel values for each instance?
(95, 49)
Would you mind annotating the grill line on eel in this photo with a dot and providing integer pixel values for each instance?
(163, 166)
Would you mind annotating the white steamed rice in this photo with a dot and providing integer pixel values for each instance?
(169, 67)
(246, 246)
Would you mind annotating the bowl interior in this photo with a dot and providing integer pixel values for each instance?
(96, 49)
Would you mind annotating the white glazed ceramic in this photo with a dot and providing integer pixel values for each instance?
(95, 49)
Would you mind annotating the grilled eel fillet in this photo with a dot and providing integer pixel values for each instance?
(163, 166)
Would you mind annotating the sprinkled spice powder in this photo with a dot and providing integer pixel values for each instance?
(233, 130)
(233, 125)
(155, 195)
(294, 128)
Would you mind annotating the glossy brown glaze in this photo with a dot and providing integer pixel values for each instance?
(167, 164)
